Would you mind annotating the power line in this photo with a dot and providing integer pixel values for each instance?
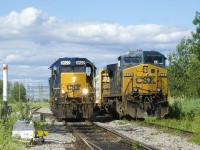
(37, 90)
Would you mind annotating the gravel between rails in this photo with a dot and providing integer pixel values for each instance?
(59, 138)
(151, 136)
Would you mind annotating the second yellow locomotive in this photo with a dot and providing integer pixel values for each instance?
(135, 86)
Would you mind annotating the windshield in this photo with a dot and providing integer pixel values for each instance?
(132, 60)
(154, 60)
(73, 68)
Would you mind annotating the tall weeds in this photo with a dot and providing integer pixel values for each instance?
(6, 141)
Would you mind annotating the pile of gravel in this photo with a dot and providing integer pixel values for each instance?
(151, 136)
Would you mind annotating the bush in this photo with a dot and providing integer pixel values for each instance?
(175, 110)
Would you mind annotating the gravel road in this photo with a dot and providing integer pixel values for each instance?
(151, 136)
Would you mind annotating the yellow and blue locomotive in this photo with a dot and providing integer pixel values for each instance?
(72, 93)
(136, 86)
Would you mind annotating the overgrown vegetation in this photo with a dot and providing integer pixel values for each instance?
(6, 141)
(183, 114)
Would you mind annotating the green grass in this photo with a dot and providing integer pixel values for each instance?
(16, 107)
(39, 104)
(183, 124)
(183, 114)
(189, 105)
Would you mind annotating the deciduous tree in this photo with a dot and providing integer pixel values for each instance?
(184, 65)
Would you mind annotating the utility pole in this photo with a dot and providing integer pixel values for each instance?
(19, 92)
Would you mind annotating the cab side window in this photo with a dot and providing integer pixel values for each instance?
(55, 70)
(88, 71)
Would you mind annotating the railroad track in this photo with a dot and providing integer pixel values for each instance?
(92, 136)
(34, 109)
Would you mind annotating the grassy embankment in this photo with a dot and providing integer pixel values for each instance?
(183, 114)
(6, 141)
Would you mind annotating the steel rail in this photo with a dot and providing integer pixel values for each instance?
(82, 144)
(127, 140)
(34, 109)
(171, 128)
(94, 146)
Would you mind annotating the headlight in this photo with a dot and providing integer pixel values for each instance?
(63, 91)
(73, 79)
(85, 91)
(158, 89)
(135, 89)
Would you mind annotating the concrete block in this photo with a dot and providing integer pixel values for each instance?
(23, 129)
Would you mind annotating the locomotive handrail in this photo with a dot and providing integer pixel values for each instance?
(55, 89)
(128, 85)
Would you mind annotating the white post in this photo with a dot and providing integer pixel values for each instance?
(5, 92)
(5, 82)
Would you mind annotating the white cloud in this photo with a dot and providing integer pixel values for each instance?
(31, 38)
(13, 58)
(26, 18)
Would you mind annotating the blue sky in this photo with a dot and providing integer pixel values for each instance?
(178, 12)
(34, 33)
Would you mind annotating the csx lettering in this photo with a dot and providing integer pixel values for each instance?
(73, 87)
(145, 80)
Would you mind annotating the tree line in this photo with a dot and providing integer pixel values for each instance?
(16, 92)
(184, 65)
